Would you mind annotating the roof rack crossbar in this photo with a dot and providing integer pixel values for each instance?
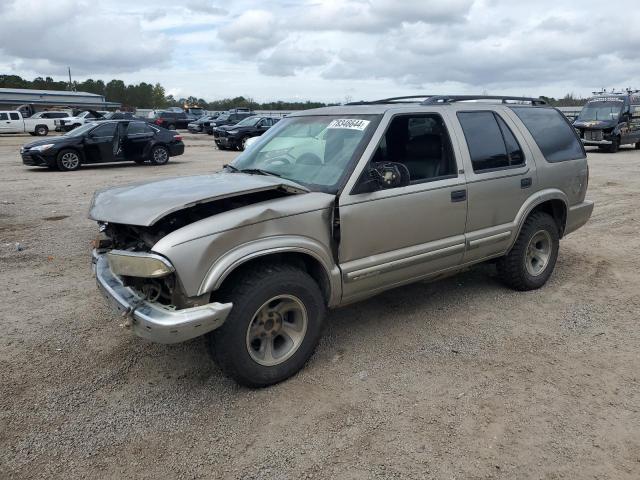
(436, 99)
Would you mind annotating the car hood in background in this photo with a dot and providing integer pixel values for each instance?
(599, 124)
(143, 204)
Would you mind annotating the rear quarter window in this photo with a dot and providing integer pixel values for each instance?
(552, 133)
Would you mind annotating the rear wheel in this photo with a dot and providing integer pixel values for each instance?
(171, 126)
(68, 160)
(159, 155)
(532, 259)
(273, 328)
(42, 130)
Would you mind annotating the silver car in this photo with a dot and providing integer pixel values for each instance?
(335, 205)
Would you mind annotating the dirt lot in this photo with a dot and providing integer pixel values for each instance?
(457, 379)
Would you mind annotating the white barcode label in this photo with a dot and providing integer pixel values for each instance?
(349, 123)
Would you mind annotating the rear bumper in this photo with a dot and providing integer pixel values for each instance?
(578, 215)
(176, 149)
(152, 320)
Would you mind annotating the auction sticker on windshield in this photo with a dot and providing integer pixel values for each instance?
(349, 123)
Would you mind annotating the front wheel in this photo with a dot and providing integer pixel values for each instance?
(159, 155)
(273, 328)
(615, 145)
(532, 259)
(68, 160)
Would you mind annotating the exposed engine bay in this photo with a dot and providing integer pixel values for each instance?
(134, 238)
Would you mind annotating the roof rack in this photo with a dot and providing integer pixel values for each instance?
(436, 99)
(405, 99)
(439, 99)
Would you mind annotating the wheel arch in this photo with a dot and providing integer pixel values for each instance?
(552, 201)
(304, 252)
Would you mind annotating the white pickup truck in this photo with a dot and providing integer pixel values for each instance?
(38, 124)
(66, 124)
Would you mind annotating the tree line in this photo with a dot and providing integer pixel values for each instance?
(146, 95)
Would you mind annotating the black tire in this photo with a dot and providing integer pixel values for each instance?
(68, 160)
(159, 155)
(171, 126)
(242, 142)
(615, 145)
(512, 268)
(229, 345)
(42, 130)
(638, 146)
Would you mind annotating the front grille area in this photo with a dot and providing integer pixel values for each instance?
(595, 135)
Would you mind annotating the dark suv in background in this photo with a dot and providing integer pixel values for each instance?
(236, 136)
(230, 117)
(172, 120)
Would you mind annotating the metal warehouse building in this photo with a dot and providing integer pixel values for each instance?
(37, 100)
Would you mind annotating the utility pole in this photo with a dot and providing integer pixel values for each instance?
(70, 83)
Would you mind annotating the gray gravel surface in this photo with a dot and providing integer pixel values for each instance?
(462, 378)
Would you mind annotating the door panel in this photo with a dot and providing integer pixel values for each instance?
(390, 237)
(495, 197)
(394, 236)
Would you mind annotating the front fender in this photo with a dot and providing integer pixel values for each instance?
(226, 264)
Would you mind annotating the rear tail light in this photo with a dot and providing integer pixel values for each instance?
(158, 122)
(177, 138)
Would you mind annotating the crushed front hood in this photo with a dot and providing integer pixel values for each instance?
(143, 204)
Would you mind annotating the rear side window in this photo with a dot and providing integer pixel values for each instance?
(14, 116)
(491, 142)
(136, 127)
(4, 116)
(552, 132)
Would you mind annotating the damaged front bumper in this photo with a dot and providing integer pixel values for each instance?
(152, 320)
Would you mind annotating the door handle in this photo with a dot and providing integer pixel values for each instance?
(526, 182)
(458, 196)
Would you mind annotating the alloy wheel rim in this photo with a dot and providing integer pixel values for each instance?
(277, 330)
(70, 160)
(538, 253)
(160, 155)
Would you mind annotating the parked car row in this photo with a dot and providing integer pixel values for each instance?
(236, 136)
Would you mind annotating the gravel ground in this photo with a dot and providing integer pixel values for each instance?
(462, 378)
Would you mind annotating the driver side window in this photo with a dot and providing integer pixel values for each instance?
(421, 143)
(104, 130)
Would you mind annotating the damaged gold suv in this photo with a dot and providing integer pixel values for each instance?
(332, 206)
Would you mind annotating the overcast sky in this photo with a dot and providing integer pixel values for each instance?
(328, 50)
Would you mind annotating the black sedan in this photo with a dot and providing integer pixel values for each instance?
(235, 136)
(102, 142)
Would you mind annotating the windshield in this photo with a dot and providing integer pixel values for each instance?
(600, 111)
(248, 122)
(315, 151)
(79, 131)
(196, 111)
(223, 117)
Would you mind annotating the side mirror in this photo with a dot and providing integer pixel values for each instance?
(390, 174)
(382, 176)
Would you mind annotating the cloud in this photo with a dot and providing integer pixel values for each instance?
(205, 6)
(251, 32)
(288, 60)
(71, 33)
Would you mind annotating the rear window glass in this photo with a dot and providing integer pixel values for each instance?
(552, 132)
(4, 116)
